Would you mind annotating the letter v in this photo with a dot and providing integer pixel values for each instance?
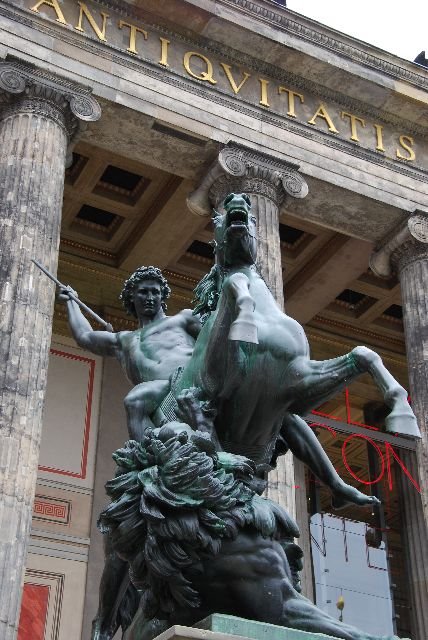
(236, 88)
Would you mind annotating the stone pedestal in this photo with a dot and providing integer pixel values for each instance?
(268, 182)
(222, 627)
(406, 253)
(39, 116)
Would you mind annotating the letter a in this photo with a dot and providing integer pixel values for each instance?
(51, 3)
(321, 112)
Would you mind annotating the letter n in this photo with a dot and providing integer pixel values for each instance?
(84, 11)
(390, 451)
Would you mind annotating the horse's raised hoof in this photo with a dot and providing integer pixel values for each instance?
(243, 330)
(402, 422)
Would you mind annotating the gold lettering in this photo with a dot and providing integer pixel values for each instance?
(204, 75)
(321, 112)
(236, 88)
(379, 137)
(84, 11)
(353, 120)
(291, 103)
(51, 3)
(133, 30)
(263, 92)
(406, 142)
(164, 52)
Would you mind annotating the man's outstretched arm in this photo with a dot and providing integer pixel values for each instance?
(102, 343)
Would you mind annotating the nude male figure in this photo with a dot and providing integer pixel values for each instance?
(150, 354)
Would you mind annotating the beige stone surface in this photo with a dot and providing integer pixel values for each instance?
(172, 96)
(33, 225)
(66, 580)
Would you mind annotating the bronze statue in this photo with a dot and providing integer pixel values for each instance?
(148, 355)
(199, 540)
(186, 514)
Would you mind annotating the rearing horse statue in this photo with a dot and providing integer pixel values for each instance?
(252, 361)
(185, 511)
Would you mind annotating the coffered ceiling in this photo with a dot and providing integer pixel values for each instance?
(119, 213)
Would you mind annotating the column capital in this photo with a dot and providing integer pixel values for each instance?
(405, 244)
(27, 89)
(240, 169)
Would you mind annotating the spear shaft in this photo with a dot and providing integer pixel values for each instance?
(71, 295)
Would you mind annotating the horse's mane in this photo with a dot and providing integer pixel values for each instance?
(174, 499)
(207, 293)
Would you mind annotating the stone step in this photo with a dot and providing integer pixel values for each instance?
(223, 627)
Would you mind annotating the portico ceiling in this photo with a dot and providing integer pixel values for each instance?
(120, 212)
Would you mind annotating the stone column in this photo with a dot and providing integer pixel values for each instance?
(39, 115)
(405, 251)
(268, 182)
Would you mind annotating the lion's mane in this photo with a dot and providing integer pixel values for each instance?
(174, 499)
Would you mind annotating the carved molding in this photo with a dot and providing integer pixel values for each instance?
(353, 332)
(247, 184)
(222, 50)
(280, 19)
(406, 244)
(196, 87)
(26, 89)
(240, 169)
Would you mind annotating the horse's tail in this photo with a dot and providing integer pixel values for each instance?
(295, 561)
(271, 519)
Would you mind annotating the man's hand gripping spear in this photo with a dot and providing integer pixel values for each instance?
(73, 296)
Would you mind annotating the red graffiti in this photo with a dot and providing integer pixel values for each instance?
(385, 460)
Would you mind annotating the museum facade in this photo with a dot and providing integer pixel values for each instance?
(122, 126)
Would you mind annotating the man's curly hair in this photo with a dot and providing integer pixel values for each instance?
(143, 273)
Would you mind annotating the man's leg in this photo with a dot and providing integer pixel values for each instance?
(141, 403)
(113, 585)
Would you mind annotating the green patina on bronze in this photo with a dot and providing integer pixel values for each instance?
(187, 533)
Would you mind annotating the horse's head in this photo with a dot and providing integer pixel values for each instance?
(235, 232)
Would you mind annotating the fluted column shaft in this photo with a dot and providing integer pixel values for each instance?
(412, 267)
(32, 160)
(34, 133)
(269, 247)
(414, 294)
(405, 251)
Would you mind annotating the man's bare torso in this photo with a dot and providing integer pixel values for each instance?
(155, 351)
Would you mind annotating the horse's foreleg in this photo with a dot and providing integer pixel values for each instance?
(305, 446)
(244, 327)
